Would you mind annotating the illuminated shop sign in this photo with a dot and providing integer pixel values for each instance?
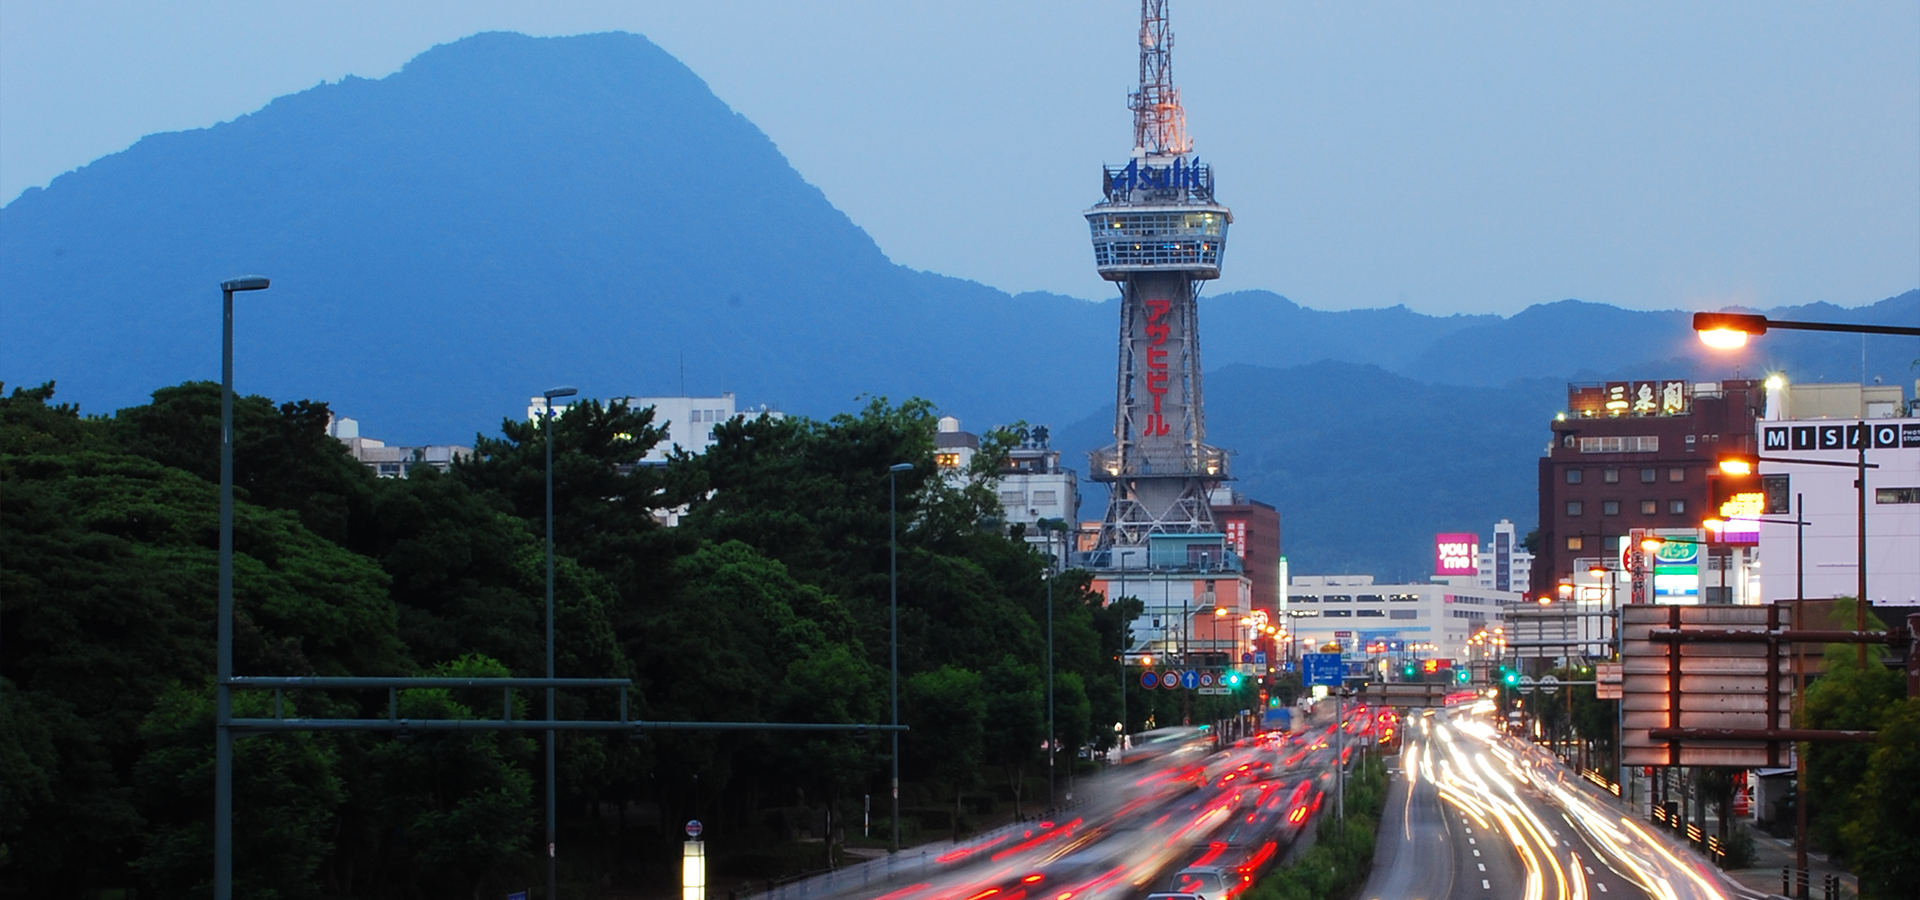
(1878, 436)
(1629, 398)
(1156, 331)
(1456, 554)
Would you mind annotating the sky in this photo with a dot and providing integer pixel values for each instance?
(1450, 157)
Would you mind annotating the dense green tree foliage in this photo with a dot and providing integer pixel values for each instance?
(769, 602)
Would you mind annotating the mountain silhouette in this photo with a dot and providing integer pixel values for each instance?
(508, 213)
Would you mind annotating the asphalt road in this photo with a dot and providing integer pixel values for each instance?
(1474, 815)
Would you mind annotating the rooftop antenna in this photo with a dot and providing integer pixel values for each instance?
(1159, 124)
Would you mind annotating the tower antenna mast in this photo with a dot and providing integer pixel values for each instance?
(1159, 124)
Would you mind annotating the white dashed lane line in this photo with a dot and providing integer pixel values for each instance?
(1485, 885)
(1483, 866)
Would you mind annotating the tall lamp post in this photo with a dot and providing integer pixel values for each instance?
(893, 633)
(1729, 331)
(1053, 732)
(223, 691)
(546, 436)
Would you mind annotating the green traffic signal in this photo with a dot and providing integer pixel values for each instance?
(1510, 677)
(1233, 679)
(1463, 676)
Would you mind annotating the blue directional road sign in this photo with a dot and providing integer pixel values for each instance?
(1189, 679)
(1260, 657)
(1323, 668)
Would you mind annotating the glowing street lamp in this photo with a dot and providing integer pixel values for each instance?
(1729, 331)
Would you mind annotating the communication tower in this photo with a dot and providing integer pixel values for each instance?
(1158, 234)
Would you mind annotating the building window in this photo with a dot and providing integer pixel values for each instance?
(1676, 474)
(947, 460)
(1636, 444)
(1338, 613)
(1610, 476)
(1404, 598)
(1677, 507)
(1339, 598)
(1045, 498)
(1374, 613)
(1405, 614)
(1573, 476)
(1573, 508)
(1013, 499)
(1610, 508)
(1575, 543)
(1649, 476)
(1372, 598)
(1305, 598)
(1649, 507)
(1896, 495)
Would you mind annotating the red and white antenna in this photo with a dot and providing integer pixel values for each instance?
(1159, 124)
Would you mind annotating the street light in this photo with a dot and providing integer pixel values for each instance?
(1729, 331)
(223, 692)
(893, 631)
(546, 436)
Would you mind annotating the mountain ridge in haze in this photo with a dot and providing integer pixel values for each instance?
(508, 213)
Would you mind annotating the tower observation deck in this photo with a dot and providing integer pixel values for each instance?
(1158, 234)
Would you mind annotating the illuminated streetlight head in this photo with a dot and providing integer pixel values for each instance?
(1545, 599)
(1652, 544)
(1727, 331)
(1775, 382)
(1736, 465)
(1714, 524)
(1598, 571)
(1566, 590)
(1724, 339)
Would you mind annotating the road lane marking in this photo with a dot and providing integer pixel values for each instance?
(1589, 870)
(1601, 885)
(1476, 853)
(1483, 866)
(1472, 841)
(1484, 885)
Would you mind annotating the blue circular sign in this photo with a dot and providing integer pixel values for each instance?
(1149, 679)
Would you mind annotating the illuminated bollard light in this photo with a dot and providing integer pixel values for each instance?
(693, 865)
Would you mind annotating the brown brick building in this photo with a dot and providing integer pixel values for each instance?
(1634, 454)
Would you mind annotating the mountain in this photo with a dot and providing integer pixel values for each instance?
(1593, 341)
(507, 213)
(504, 214)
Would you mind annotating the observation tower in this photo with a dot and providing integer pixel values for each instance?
(1158, 234)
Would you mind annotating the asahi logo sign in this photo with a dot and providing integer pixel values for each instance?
(1839, 436)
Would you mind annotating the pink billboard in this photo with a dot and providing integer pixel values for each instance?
(1456, 554)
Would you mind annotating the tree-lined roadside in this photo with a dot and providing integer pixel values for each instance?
(767, 603)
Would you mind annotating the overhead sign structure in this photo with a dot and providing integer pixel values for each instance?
(1407, 695)
(1707, 703)
(1550, 684)
(1324, 668)
(1607, 679)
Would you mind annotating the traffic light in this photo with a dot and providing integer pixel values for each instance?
(1509, 677)
(1407, 671)
(1462, 675)
(1233, 679)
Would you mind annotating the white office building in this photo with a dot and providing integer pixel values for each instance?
(1504, 564)
(1354, 612)
(1032, 485)
(688, 421)
(1831, 423)
(394, 461)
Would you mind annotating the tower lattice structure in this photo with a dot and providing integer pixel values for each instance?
(1158, 234)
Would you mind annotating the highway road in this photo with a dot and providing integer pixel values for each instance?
(1176, 802)
(1474, 815)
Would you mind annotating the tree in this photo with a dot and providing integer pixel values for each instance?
(1885, 836)
(947, 715)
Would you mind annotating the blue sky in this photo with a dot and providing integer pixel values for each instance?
(1451, 157)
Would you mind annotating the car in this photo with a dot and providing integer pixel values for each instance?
(1208, 882)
